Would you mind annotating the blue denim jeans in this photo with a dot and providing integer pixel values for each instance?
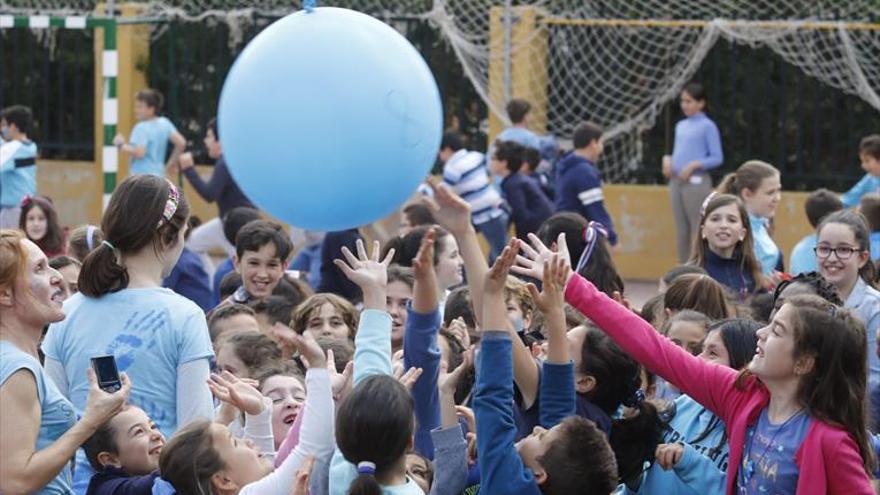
(495, 232)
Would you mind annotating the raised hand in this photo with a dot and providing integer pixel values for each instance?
(102, 405)
(496, 278)
(186, 161)
(370, 274)
(236, 392)
(311, 353)
(536, 255)
(409, 378)
(301, 482)
(459, 329)
(448, 382)
(423, 263)
(555, 276)
(340, 383)
(451, 211)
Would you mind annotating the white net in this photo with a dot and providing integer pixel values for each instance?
(615, 62)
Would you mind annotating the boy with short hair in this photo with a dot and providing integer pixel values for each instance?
(262, 249)
(819, 204)
(518, 111)
(150, 136)
(573, 456)
(231, 319)
(18, 160)
(869, 154)
(465, 173)
(233, 221)
(529, 206)
(578, 181)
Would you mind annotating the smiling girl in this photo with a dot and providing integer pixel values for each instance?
(796, 416)
(843, 252)
(724, 245)
(758, 184)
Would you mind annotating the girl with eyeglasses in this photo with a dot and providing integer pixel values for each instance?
(843, 253)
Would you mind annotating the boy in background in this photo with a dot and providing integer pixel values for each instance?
(150, 137)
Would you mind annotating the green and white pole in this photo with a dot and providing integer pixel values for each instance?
(110, 71)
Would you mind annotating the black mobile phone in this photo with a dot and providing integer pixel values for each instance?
(108, 375)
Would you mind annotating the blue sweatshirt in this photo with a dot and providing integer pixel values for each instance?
(501, 468)
(18, 172)
(220, 188)
(579, 189)
(528, 204)
(222, 269)
(728, 272)
(189, 279)
(695, 473)
(868, 184)
(420, 351)
(115, 481)
(696, 140)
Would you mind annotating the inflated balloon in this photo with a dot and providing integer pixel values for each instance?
(329, 119)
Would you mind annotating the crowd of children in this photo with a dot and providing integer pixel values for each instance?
(415, 366)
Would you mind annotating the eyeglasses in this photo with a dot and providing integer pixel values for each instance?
(842, 252)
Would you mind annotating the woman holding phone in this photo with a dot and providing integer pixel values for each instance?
(159, 338)
(39, 432)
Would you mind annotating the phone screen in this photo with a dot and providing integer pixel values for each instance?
(105, 368)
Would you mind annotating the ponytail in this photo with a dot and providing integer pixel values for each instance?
(144, 210)
(365, 483)
(101, 272)
(634, 439)
(728, 185)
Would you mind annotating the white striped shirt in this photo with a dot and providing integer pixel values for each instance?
(465, 172)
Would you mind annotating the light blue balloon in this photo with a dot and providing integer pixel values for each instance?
(330, 119)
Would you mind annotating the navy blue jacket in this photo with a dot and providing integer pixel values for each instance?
(728, 273)
(190, 280)
(528, 204)
(115, 481)
(579, 189)
(220, 188)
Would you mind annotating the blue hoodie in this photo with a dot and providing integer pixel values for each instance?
(695, 473)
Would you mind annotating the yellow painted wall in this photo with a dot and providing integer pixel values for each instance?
(643, 219)
(642, 215)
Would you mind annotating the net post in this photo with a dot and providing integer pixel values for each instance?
(528, 77)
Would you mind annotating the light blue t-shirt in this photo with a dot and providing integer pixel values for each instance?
(18, 172)
(150, 331)
(521, 136)
(152, 134)
(864, 300)
(766, 250)
(56, 412)
(803, 258)
(868, 184)
(768, 463)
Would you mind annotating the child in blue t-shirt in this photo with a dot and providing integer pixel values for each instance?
(869, 154)
(869, 206)
(149, 138)
(820, 204)
(18, 171)
(572, 456)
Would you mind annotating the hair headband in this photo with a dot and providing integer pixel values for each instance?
(170, 204)
(706, 203)
(591, 236)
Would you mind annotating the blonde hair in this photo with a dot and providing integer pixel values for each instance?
(749, 176)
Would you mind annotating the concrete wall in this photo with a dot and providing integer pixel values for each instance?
(642, 215)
